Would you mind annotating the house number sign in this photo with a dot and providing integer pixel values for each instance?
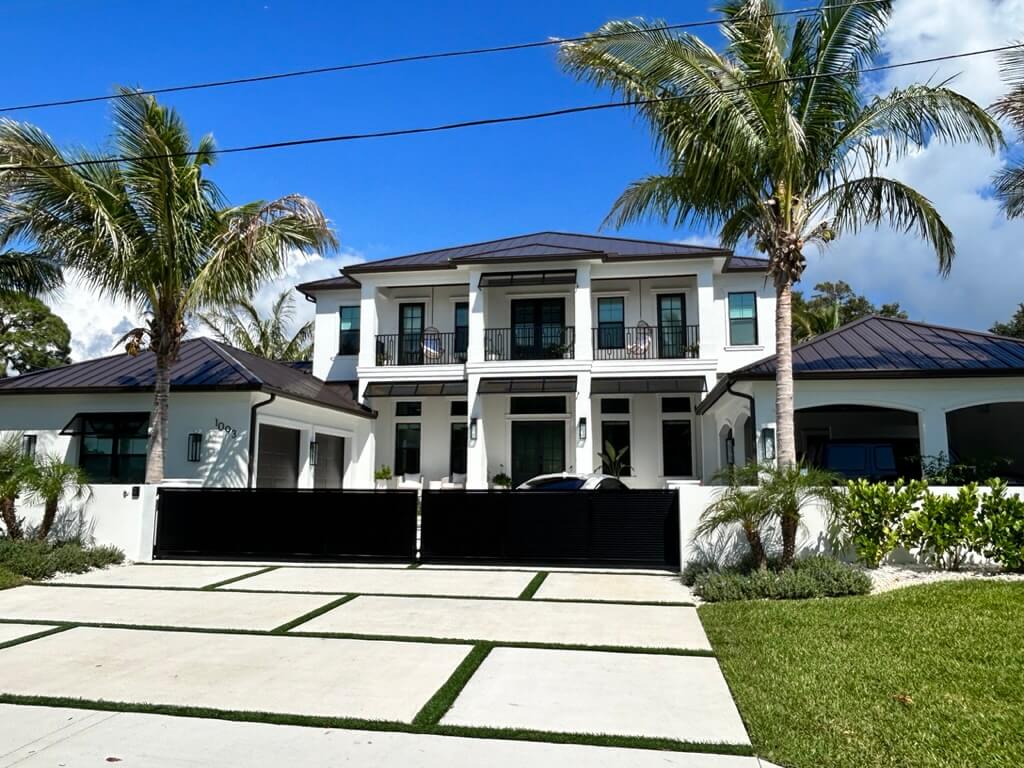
(227, 429)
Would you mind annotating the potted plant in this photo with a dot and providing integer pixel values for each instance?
(501, 481)
(382, 477)
(614, 460)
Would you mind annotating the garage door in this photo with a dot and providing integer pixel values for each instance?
(277, 464)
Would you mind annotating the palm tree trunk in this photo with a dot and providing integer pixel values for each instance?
(789, 529)
(756, 547)
(158, 421)
(49, 515)
(10, 518)
(785, 441)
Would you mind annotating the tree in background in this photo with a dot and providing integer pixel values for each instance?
(268, 336)
(833, 305)
(776, 139)
(1015, 326)
(1009, 183)
(149, 228)
(31, 336)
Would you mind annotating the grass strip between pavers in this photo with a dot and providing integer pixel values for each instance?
(312, 614)
(35, 635)
(652, 603)
(439, 704)
(278, 632)
(533, 586)
(351, 723)
(233, 579)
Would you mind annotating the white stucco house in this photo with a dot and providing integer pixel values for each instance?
(528, 355)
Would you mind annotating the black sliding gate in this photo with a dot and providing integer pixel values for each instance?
(285, 524)
(607, 528)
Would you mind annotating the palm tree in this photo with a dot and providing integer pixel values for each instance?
(51, 481)
(15, 469)
(30, 273)
(1009, 183)
(149, 228)
(743, 507)
(775, 141)
(813, 320)
(242, 326)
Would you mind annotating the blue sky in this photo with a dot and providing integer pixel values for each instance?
(394, 196)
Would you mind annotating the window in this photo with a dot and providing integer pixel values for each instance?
(616, 434)
(675, 405)
(742, 319)
(410, 408)
(677, 448)
(28, 446)
(348, 343)
(527, 406)
(113, 446)
(611, 325)
(461, 327)
(460, 408)
(407, 449)
(457, 450)
(615, 405)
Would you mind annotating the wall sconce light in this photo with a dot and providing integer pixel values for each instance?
(730, 450)
(313, 451)
(472, 429)
(583, 429)
(768, 443)
(195, 446)
(28, 446)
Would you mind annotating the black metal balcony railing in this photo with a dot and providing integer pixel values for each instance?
(528, 342)
(646, 342)
(427, 348)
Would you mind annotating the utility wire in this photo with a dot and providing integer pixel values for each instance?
(509, 119)
(410, 59)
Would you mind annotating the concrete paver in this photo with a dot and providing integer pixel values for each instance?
(519, 621)
(193, 576)
(615, 587)
(676, 697)
(379, 680)
(389, 581)
(170, 608)
(10, 632)
(36, 737)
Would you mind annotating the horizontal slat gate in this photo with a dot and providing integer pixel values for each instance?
(291, 524)
(606, 528)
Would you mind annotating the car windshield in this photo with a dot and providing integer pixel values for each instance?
(556, 484)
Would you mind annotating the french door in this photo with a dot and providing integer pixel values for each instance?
(538, 448)
(410, 334)
(671, 325)
(538, 328)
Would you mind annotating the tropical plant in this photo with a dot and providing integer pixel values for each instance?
(810, 321)
(833, 305)
(788, 489)
(739, 507)
(945, 528)
(613, 462)
(268, 336)
(1009, 183)
(149, 228)
(502, 480)
(50, 481)
(1001, 519)
(775, 139)
(15, 468)
(384, 473)
(31, 336)
(870, 515)
(31, 273)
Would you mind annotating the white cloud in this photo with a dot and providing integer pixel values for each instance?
(97, 323)
(985, 284)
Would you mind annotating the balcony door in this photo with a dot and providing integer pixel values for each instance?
(410, 334)
(538, 328)
(538, 448)
(671, 325)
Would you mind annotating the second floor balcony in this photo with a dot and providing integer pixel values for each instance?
(646, 342)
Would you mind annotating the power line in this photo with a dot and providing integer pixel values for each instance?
(511, 118)
(408, 59)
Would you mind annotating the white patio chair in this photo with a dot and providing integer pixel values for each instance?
(643, 340)
(433, 349)
(410, 481)
(454, 481)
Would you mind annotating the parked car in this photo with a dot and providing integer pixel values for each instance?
(567, 481)
(877, 461)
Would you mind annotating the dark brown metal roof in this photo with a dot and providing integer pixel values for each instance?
(339, 283)
(540, 246)
(203, 365)
(884, 347)
(416, 388)
(634, 385)
(745, 264)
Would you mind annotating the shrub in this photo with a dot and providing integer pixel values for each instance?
(41, 560)
(945, 528)
(1001, 523)
(807, 578)
(870, 516)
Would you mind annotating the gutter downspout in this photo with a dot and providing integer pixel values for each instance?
(252, 434)
(753, 416)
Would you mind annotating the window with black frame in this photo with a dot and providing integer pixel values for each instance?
(461, 327)
(407, 449)
(459, 436)
(677, 448)
(348, 343)
(742, 319)
(615, 435)
(112, 446)
(611, 323)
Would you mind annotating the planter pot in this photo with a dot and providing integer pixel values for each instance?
(381, 485)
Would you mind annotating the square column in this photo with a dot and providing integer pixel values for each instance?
(477, 316)
(586, 450)
(712, 326)
(934, 432)
(368, 323)
(476, 450)
(583, 316)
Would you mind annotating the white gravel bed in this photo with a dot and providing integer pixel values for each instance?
(889, 577)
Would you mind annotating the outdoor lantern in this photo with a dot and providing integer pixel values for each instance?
(472, 429)
(195, 446)
(768, 443)
(730, 450)
(312, 453)
(583, 429)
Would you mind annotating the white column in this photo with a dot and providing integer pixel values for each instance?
(712, 327)
(476, 451)
(764, 404)
(583, 317)
(586, 454)
(368, 324)
(934, 436)
(477, 319)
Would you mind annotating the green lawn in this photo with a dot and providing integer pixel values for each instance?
(925, 676)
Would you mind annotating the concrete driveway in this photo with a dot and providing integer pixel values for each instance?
(226, 665)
